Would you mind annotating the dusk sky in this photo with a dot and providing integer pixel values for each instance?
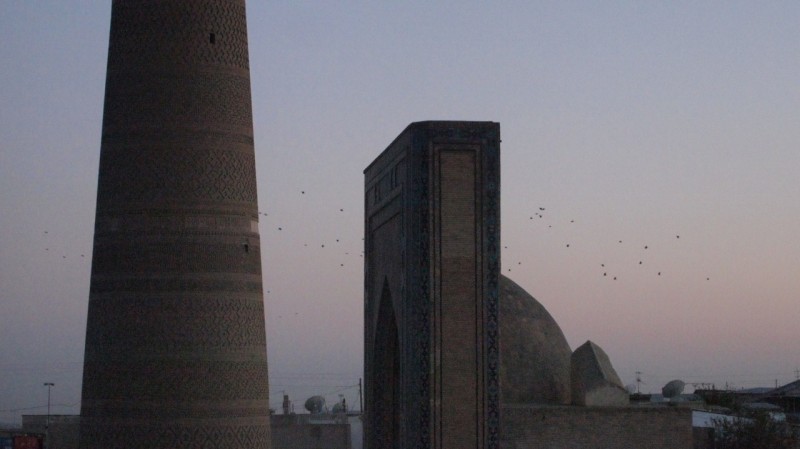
(659, 137)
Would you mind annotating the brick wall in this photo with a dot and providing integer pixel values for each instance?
(431, 282)
(539, 427)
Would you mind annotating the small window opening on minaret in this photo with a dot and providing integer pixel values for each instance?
(212, 37)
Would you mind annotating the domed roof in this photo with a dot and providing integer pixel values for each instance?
(535, 356)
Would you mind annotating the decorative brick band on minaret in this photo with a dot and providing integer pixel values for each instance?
(175, 340)
(432, 235)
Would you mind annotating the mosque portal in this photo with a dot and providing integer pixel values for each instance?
(431, 284)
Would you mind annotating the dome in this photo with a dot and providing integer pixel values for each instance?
(534, 355)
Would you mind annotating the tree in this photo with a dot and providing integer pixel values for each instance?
(758, 430)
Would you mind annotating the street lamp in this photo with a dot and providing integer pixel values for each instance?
(47, 423)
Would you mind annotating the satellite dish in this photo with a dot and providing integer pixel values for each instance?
(315, 404)
(673, 388)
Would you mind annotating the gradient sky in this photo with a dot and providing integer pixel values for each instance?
(627, 121)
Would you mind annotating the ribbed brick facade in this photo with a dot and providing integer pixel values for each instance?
(175, 342)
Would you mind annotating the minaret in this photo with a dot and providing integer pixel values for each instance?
(175, 340)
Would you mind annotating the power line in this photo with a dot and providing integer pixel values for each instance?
(283, 387)
(22, 409)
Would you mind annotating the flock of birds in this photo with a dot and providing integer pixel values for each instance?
(349, 246)
(63, 254)
(339, 242)
(604, 269)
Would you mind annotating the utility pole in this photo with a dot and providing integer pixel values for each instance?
(638, 380)
(47, 422)
(360, 398)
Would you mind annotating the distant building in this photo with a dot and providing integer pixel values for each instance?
(18, 439)
(289, 431)
(787, 397)
(318, 431)
(64, 429)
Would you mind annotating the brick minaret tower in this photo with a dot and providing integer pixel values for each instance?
(175, 340)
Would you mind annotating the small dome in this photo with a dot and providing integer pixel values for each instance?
(535, 356)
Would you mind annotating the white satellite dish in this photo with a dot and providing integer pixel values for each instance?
(673, 388)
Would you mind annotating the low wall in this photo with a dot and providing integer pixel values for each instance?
(302, 432)
(568, 427)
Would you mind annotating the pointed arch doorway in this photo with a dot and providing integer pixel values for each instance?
(386, 419)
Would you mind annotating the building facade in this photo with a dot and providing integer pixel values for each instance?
(431, 283)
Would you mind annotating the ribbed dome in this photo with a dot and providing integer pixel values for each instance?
(535, 356)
